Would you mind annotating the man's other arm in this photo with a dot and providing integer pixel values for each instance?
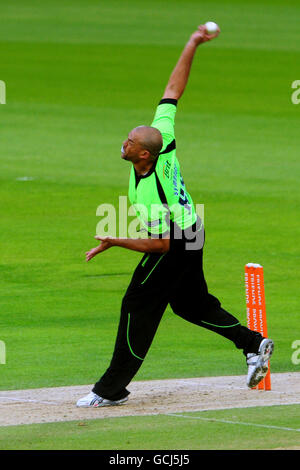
(147, 245)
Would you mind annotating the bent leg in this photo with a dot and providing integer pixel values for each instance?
(210, 315)
(136, 331)
(196, 305)
(142, 308)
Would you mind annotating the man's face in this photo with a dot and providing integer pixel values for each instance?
(131, 148)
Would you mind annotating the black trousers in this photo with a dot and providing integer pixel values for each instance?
(174, 278)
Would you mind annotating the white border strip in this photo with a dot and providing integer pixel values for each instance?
(25, 400)
(268, 426)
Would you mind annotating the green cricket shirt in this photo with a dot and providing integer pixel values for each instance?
(160, 198)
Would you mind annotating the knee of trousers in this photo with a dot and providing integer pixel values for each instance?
(132, 339)
(209, 304)
(133, 301)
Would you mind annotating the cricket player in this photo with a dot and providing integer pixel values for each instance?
(170, 271)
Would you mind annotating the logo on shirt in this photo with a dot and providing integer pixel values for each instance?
(166, 169)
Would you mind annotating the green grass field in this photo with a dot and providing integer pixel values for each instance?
(241, 429)
(79, 76)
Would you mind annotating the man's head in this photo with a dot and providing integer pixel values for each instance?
(143, 143)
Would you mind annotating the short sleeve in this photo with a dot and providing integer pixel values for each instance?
(164, 120)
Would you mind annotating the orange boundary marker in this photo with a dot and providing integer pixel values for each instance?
(256, 309)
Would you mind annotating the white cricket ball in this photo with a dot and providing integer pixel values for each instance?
(211, 27)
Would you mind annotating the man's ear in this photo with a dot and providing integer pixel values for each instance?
(145, 154)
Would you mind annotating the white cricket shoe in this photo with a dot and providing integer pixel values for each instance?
(92, 399)
(258, 363)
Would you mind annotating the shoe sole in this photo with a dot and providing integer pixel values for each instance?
(258, 375)
(265, 351)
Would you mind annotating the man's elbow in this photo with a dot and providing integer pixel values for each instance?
(164, 245)
(172, 92)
